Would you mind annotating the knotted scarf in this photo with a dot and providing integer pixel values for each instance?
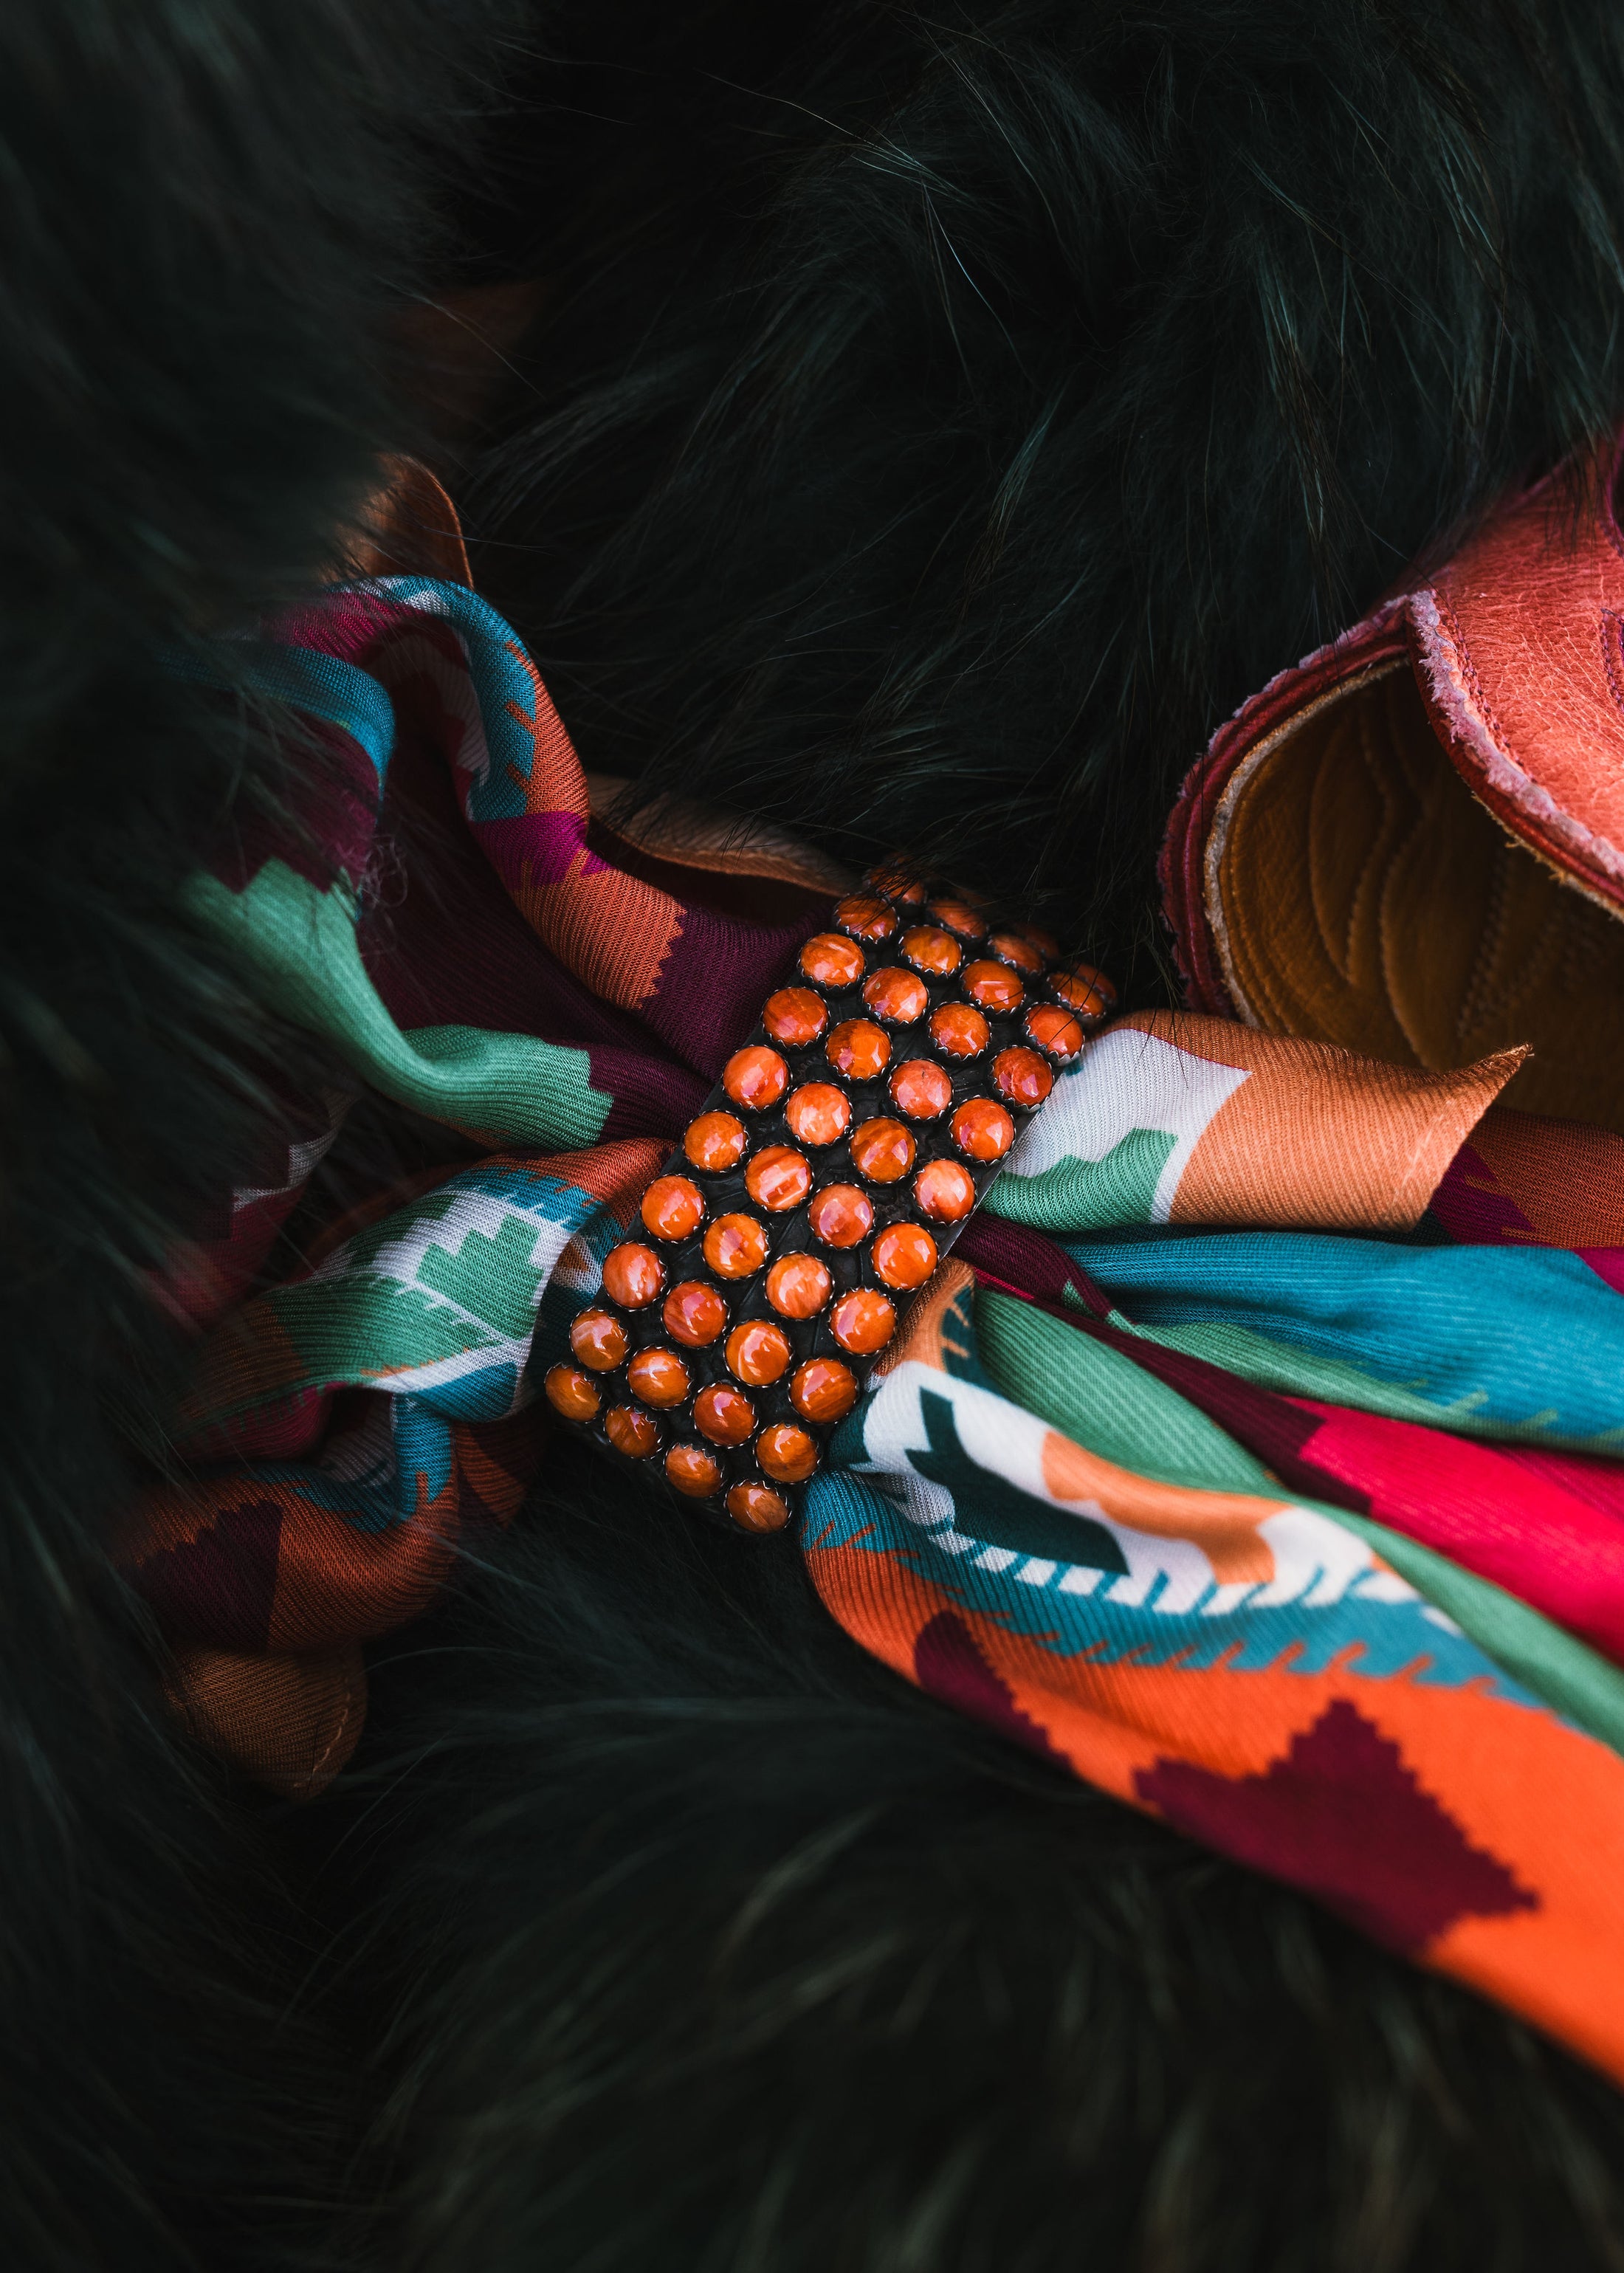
(1254, 1457)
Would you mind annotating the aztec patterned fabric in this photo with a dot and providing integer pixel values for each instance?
(1255, 1457)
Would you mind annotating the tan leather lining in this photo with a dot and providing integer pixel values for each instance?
(1360, 894)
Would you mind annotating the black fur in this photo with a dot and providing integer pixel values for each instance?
(930, 449)
(207, 212)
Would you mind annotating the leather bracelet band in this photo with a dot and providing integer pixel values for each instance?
(850, 1139)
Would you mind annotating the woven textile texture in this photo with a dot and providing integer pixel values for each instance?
(1255, 1455)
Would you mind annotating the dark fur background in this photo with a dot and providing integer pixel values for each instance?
(932, 446)
(934, 423)
(207, 213)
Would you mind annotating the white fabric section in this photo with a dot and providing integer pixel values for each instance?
(469, 1213)
(1316, 1561)
(1127, 1080)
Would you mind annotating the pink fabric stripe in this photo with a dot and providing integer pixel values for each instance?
(1547, 1526)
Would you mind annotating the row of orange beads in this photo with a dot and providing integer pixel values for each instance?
(778, 1178)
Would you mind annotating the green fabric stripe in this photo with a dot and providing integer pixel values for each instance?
(1102, 1401)
(1072, 1196)
(1574, 1679)
(1098, 1397)
(299, 944)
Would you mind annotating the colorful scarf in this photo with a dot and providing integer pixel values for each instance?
(1254, 1457)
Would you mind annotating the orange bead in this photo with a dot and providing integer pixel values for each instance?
(896, 994)
(715, 1142)
(598, 1339)
(840, 1215)
(859, 1049)
(753, 1508)
(819, 1115)
(693, 1471)
(758, 1352)
(1044, 941)
(958, 1032)
(659, 1377)
(735, 1246)
(798, 1285)
(1083, 989)
(824, 1390)
(882, 1150)
(935, 951)
(1054, 1030)
(795, 1015)
(832, 961)
(672, 1207)
(943, 1190)
(862, 1321)
(755, 1078)
(694, 1313)
(995, 986)
(957, 915)
(570, 1393)
(983, 1129)
(787, 1453)
(921, 1090)
(723, 1414)
(778, 1178)
(632, 1276)
(904, 1256)
(1020, 1077)
(1011, 947)
(1098, 979)
(631, 1432)
(864, 918)
(898, 881)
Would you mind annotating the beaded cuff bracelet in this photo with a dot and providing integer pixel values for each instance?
(848, 1142)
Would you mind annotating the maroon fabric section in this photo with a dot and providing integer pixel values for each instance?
(468, 958)
(218, 1588)
(336, 785)
(1025, 1262)
(1470, 1206)
(948, 1665)
(1273, 1428)
(1343, 1816)
(652, 1099)
(716, 975)
(738, 939)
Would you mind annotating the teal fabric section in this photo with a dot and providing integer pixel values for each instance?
(1431, 1321)
(1331, 1381)
(321, 685)
(1075, 1195)
(299, 943)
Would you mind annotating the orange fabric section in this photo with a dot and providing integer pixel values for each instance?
(1516, 1787)
(290, 1722)
(1569, 1180)
(410, 528)
(1318, 1137)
